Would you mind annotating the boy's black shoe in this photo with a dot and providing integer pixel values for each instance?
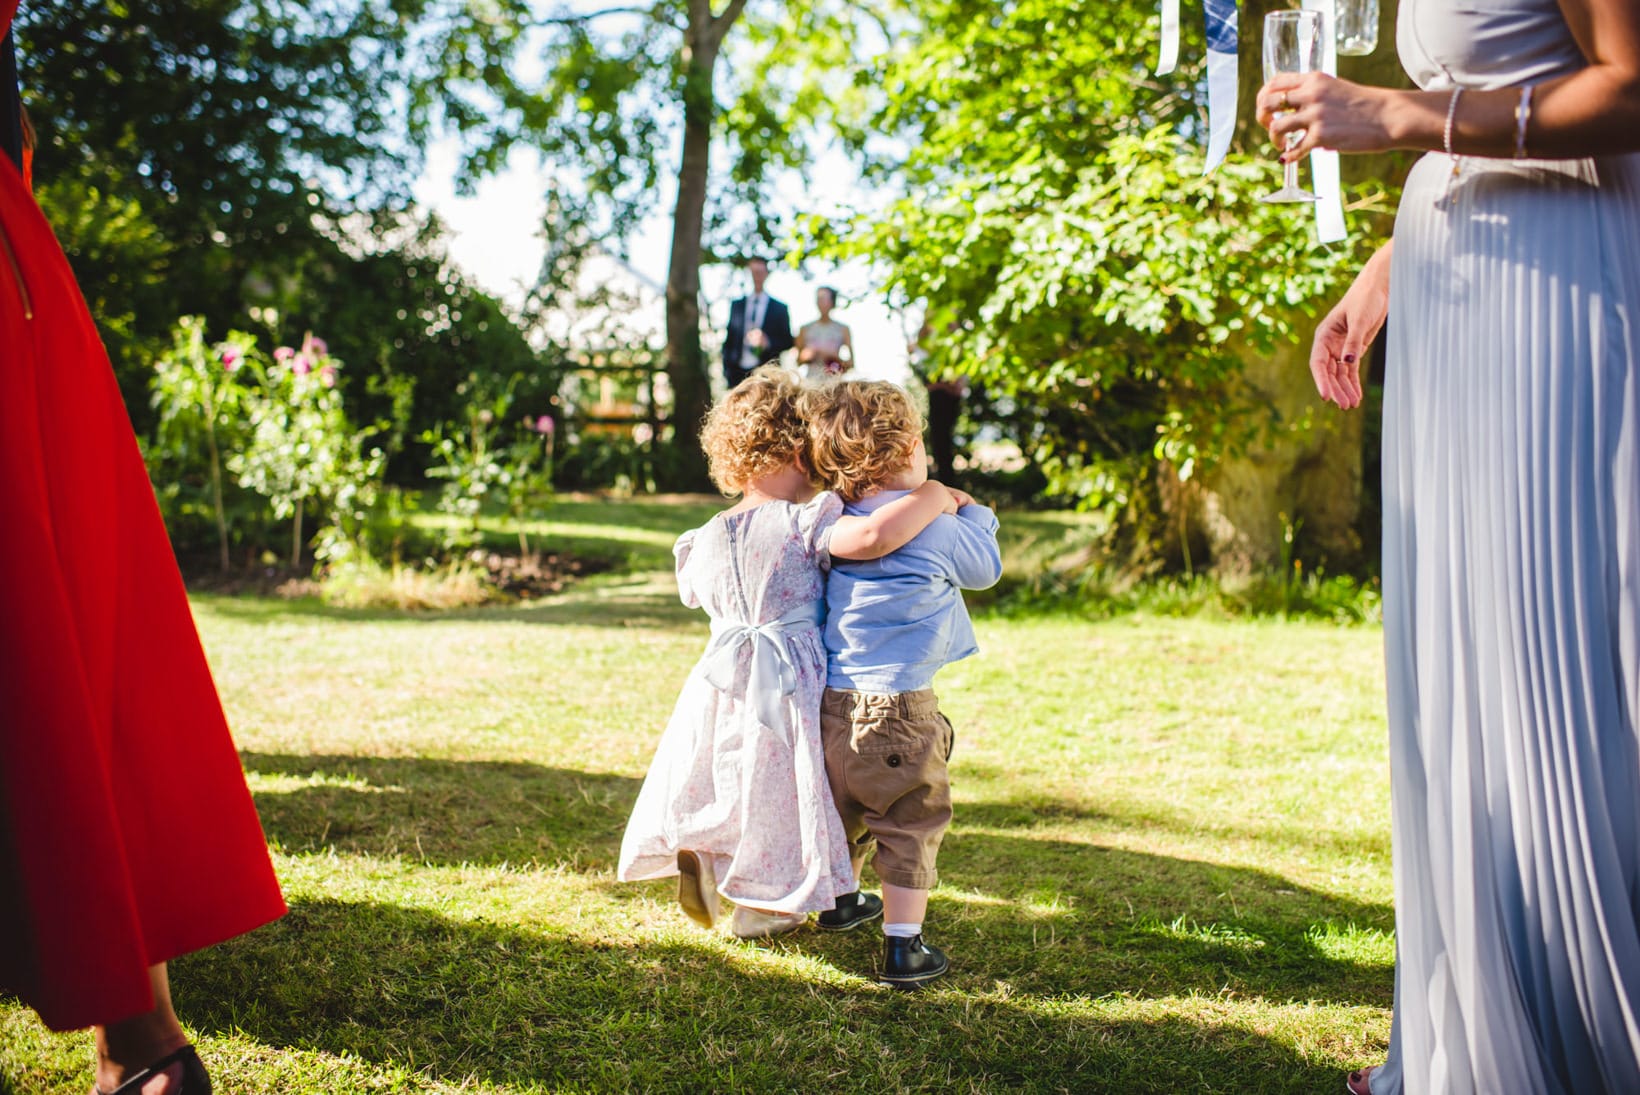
(911, 963)
(853, 909)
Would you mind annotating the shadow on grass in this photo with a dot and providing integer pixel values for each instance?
(470, 1000)
(441, 812)
(1057, 917)
(1060, 917)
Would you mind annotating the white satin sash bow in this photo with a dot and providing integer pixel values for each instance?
(773, 676)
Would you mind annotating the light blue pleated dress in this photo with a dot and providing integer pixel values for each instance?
(1512, 593)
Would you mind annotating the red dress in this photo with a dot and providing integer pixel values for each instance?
(127, 834)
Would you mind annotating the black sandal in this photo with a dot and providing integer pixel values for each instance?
(195, 1080)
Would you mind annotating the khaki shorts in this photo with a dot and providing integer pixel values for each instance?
(885, 761)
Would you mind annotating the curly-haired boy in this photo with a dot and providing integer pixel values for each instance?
(891, 623)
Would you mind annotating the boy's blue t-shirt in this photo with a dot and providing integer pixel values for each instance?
(891, 623)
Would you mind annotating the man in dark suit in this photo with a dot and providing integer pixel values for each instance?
(760, 328)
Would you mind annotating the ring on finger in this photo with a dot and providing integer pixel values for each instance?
(1286, 103)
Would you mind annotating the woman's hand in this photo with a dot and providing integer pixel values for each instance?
(1332, 113)
(1344, 335)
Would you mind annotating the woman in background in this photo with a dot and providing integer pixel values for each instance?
(825, 348)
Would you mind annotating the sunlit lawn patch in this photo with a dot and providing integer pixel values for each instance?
(1169, 869)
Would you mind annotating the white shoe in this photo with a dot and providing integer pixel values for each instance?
(750, 923)
(697, 888)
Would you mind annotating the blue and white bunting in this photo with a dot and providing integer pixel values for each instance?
(1221, 79)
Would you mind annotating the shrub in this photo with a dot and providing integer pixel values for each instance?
(302, 453)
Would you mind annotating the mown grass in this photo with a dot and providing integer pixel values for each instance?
(1169, 869)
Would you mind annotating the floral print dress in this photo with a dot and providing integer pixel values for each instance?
(739, 775)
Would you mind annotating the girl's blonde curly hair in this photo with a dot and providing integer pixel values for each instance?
(861, 434)
(754, 430)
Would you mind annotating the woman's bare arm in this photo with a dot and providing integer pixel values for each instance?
(1592, 112)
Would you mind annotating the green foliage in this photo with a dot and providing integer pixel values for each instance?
(483, 467)
(200, 413)
(718, 96)
(617, 461)
(303, 453)
(1072, 261)
(598, 92)
(409, 321)
(223, 109)
(240, 157)
(1101, 594)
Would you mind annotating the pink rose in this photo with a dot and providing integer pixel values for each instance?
(303, 366)
(327, 376)
(283, 353)
(230, 358)
(545, 425)
(318, 345)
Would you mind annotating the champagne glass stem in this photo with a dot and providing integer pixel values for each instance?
(1290, 168)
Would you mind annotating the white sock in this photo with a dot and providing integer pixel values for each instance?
(902, 931)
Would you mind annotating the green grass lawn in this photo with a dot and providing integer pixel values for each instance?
(1169, 869)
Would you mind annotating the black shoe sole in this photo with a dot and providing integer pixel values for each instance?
(914, 980)
(851, 925)
(910, 983)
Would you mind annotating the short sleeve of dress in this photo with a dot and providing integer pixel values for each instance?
(680, 558)
(815, 519)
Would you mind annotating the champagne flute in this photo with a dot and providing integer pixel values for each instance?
(1357, 27)
(1292, 44)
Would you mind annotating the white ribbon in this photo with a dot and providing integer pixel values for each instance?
(1221, 106)
(1324, 173)
(773, 676)
(1169, 59)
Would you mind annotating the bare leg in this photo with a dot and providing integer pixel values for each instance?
(131, 1045)
(857, 859)
(903, 906)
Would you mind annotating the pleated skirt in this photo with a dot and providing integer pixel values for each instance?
(1512, 627)
(127, 834)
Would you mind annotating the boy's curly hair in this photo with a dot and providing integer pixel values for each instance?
(861, 433)
(754, 430)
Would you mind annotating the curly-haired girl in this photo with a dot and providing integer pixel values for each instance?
(736, 801)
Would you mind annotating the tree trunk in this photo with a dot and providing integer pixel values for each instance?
(1310, 482)
(1304, 484)
(685, 358)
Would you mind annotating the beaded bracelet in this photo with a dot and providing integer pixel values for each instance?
(1446, 141)
(1523, 114)
(1451, 114)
